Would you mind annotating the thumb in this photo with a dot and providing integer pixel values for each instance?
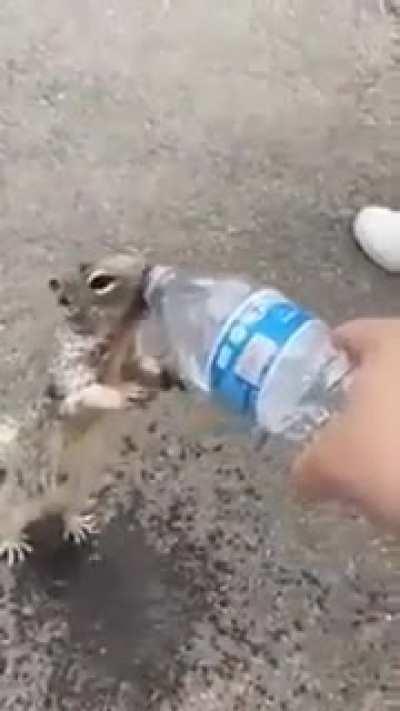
(363, 337)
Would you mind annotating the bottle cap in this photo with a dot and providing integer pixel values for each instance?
(155, 277)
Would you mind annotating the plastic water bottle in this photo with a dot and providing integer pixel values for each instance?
(251, 350)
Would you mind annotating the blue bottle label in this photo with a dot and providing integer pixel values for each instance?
(247, 348)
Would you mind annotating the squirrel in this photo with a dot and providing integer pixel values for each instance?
(96, 368)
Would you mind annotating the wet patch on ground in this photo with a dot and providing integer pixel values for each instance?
(125, 611)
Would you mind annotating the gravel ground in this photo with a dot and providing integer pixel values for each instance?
(241, 134)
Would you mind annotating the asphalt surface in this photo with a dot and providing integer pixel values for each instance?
(234, 134)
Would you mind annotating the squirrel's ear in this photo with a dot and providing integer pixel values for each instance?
(54, 284)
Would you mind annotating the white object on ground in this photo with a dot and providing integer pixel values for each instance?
(8, 431)
(377, 231)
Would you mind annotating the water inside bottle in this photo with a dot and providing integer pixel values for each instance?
(325, 396)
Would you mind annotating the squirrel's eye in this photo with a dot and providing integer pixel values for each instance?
(101, 282)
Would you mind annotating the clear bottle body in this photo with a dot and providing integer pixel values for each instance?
(252, 351)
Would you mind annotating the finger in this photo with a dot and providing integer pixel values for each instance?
(363, 337)
(322, 471)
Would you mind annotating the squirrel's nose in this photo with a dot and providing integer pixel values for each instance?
(63, 300)
(54, 284)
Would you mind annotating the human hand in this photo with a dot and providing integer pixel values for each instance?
(355, 458)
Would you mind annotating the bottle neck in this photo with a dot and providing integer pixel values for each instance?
(158, 276)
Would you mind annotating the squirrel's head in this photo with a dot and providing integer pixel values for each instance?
(100, 295)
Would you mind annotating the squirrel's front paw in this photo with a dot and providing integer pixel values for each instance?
(133, 394)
